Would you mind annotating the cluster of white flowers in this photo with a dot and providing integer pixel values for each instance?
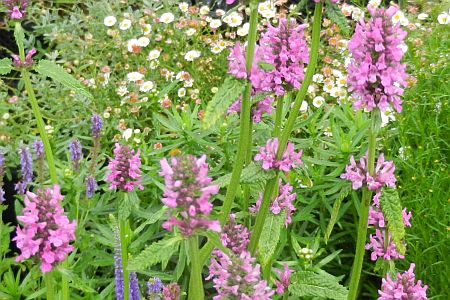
(192, 55)
(233, 19)
(267, 9)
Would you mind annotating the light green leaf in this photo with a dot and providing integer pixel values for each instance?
(159, 252)
(50, 69)
(311, 284)
(5, 66)
(265, 66)
(228, 92)
(251, 174)
(153, 218)
(392, 211)
(270, 236)
(334, 213)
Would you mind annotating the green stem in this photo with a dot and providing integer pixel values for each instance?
(43, 134)
(278, 115)
(49, 286)
(286, 295)
(270, 185)
(196, 291)
(244, 143)
(123, 227)
(364, 213)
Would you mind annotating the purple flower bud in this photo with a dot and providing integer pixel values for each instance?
(28, 59)
(39, 149)
(154, 288)
(26, 166)
(91, 187)
(404, 286)
(96, 126)
(235, 236)
(16, 9)
(75, 153)
(135, 294)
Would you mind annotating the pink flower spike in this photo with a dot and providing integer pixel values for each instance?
(404, 286)
(47, 232)
(268, 154)
(125, 173)
(285, 279)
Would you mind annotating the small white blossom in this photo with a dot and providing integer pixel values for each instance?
(146, 86)
(204, 10)
(181, 92)
(109, 21)
(215, 23)
(127, 134)
(143, 41)
(154, 54)
(191, 55)
(318, 101)
(167, 18)
(125, 24)
(134, 76)
(183, 6)
(243, 31)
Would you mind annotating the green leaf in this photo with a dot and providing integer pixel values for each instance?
(19, 36)
(251, 174)
(48, 68)
(270, 236)
(228, 92)
(392, 211)
(5, 66)
(334, 213)
(335, 14)
(126, 204)
(311, 284)
(265, 66)
(151, 220)
(159, 252)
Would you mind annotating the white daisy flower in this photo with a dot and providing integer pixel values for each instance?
(143, 41)
(422, 16)
(127, 134)
(146, 86)
(109, 21)
(243, 31)
(304, 106)
(215, 23)
(318, 78)
(167, 18)
(154, 54)
(191, 55)
(266, 9)
(125, 24)
(190, 32)
(183, 6)
(204, 10)
(318, 101)
(122, 91)
(181, 92)
(444, 18)
(132, 44)
(134, 76)
(146, 29)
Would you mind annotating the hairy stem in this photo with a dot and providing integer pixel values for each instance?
(123, 227)
(196, 291)
(364, 213)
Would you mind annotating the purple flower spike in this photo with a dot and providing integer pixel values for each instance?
(118, 271)
(237, 277)
(26, 167)
(403, 287)
(268, 154)
(285, 280)
(91, 187)
(75, 153)
(235, 237)
(96, 126)
(16, 9)
(376, 77)
(125, 170)
(47, 232)
(359, 175)
(39, 149)
(154, 288)
(187, 190)
(135, 294)
(377, 245)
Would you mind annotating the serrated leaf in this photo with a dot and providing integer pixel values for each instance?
(50, 69)
(335, 14)
(251, 174)
(311, 284)
(228, 92)
(151, 220)
(159, 252)
(19, 35)
(5, 66)
(126, 204)
(392, 211)
(270, 236)
(335, 211)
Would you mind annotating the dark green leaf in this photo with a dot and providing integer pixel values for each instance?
(251, 174)
(48, 68)
(311, 284)
(228, 92)
(392, 211)
(270, 236)
(334, 213)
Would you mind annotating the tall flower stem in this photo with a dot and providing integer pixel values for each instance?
(196, 291)
(123, 228)
(41, 128)
(48, 278)
(278, 115)
(364, 212)
(270, 185)
(244, 132)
